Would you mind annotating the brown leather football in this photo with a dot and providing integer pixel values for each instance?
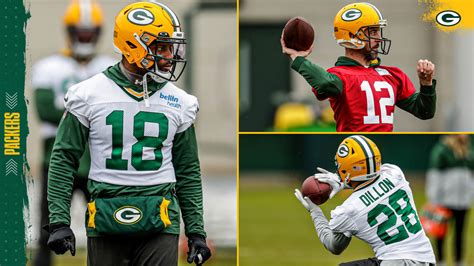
(298, 34)
(317, 192)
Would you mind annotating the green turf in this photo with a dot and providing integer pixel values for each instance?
(276, 230)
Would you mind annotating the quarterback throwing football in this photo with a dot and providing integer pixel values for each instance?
(381, 210)
(362, 92)
(144, 160)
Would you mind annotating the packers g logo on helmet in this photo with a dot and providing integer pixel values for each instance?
(357, 159)
(351, 14)
(352, 25)
(141, 16)
(343, 150)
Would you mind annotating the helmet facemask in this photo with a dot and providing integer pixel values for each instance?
(368, 33)
(83, 41)
(151, 62)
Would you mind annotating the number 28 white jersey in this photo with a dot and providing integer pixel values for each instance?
(384, 215)
(130, 144)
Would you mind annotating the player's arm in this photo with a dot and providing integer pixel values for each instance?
(189, 193)
(324, 83)
(70, 143)
(335, 242)
(188, 181)
(45, 106)
(421, 104)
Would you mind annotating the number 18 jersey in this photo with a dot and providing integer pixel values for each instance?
(384, 215)
(368, 98)
(130, 143)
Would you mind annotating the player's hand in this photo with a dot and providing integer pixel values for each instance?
(198, 250)
(305, 201)
(425, 70)
(329, 178)
(61, 239)
(292, 53)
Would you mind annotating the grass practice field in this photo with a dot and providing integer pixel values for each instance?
(275, 229)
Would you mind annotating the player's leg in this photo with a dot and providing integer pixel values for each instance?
(43, 255)
(111, 250)
(459, 219)
(439, 249)
(365, 262)
(158, 249)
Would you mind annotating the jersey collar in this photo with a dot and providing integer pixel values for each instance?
(346, 61)
(134, 91)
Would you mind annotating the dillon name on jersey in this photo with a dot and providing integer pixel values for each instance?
(384, 215)
(131, 144)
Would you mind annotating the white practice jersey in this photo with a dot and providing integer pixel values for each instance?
(59, 72)
(130, 143)
(384, 215)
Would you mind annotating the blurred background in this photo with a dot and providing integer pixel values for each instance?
(210, 75)
(276, 230)
(274, 97)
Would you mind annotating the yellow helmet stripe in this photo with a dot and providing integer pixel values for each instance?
(368, 152)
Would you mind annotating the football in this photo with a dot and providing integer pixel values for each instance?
(317, 192)
(298, 34)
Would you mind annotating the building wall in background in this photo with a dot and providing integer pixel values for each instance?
(303, 153)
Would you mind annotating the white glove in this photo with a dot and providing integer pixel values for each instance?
(307, 203)
(329, 178)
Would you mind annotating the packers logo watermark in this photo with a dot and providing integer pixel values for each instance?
(448, 18)
(351, 14)
(343, 151)
(128, 215)
(141, 16)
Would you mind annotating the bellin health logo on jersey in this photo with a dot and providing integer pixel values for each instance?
(171, 100)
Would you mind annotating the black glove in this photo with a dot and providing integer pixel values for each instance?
(61, 239)
(198, 250)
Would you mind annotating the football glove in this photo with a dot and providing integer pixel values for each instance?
(198, 250)
(329, 178)
(61, 239)
(305, 201)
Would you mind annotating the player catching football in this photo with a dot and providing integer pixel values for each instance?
(362, 92)
(144, 161)
(380, 211)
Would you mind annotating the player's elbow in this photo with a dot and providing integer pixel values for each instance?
(335, 250)
(426, 115)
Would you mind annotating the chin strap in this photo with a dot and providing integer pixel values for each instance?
(145, 90)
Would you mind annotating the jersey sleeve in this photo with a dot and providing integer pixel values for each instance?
(405, 86)
(188, 181)
(324, 84)
(41, 76)
(189, 114)
(341, 222)
(75, 103)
